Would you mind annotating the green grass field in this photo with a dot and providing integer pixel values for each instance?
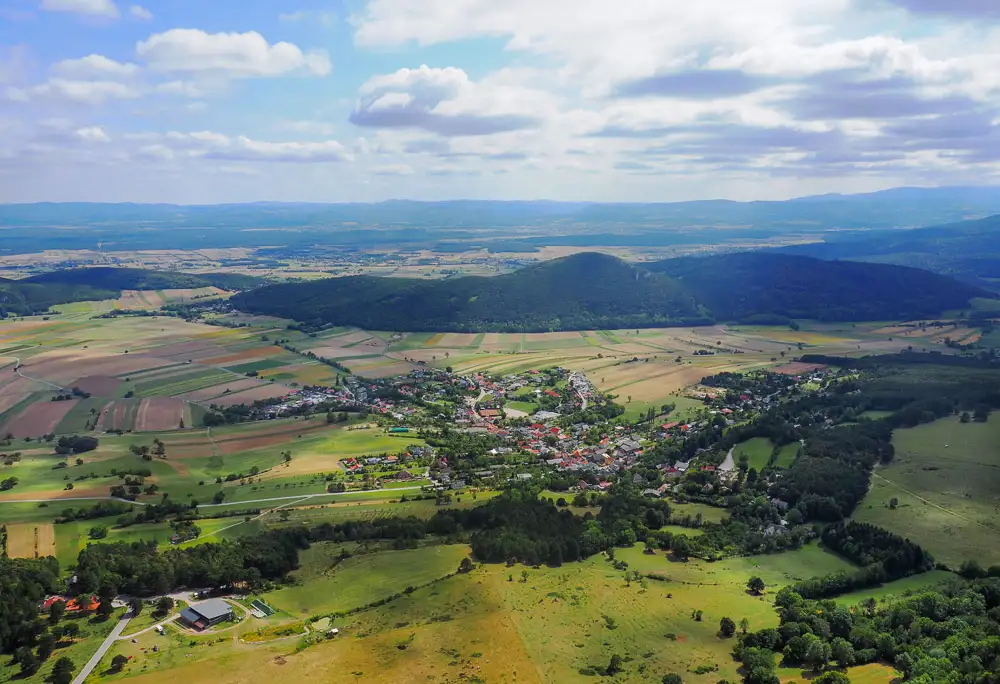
(325, 586)
(757, 452)
(944, 476)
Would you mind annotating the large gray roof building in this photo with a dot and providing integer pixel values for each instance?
(207, 613)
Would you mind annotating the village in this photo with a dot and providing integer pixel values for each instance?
(571, 432)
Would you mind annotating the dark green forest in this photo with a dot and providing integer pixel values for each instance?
(595, 291)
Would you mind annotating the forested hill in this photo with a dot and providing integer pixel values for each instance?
(584, 291)
(968, 251)
(758, 285)
(38, 293)
(588, 291)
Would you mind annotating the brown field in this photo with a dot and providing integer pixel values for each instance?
(98, 385)
(113, 416)
(381, 368)
(246, 355)
(349, 338)
(159, 413)
(251, 395)
(204, 395)
(16, 390)
(38, 419)
(455, 340)
(187, 445)
(798, 368)
(63, 366)
(336, 352)
(31, 540)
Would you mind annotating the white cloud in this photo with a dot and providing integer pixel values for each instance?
(93, 8)
(94, 66)
(140, 13)
(446, 102)
(325, 19)
(81, 92)
(212, 145)
(228, 54)
(92, 134)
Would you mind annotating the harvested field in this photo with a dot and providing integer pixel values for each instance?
(456, 340)
(382, 369)
(119, 415)
(249, 396)
(159, 413)
(204, 395)
(798, 368)
(41, 418)
(334, 352)
(246, 355)
(16, 390)
(98, 385)
(31, 540)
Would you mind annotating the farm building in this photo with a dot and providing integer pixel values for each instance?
(207, 613)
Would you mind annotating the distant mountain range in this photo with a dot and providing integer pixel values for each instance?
(39, 293)
(461, 225)
(589, 290)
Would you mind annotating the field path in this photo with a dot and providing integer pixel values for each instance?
(96, 658)
(928, 502)
(17, 369)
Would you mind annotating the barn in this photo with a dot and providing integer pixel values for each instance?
(207, 613)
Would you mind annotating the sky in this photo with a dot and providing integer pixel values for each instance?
(208, 101)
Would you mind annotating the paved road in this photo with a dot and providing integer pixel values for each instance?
(96, 659)
(208, 505)
(729, 463)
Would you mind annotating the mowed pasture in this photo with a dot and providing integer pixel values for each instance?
(555, 625)
(31, 540)
(945, 477)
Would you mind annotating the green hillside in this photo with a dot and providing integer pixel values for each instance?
(588, 291)
(579, 292)
(757, 285)
(38, 293)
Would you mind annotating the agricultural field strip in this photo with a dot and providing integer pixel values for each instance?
(206, 505)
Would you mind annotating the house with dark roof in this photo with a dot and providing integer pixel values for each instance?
(207, 613)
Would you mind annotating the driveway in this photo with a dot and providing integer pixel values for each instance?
(96, 659)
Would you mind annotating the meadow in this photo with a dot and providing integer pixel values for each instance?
(507, 624)
(944, 479)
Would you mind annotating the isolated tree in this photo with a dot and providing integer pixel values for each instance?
(727, 627)
(698, 615)
(756, 586)
(465, 566)
(672, 679)
(981, 414)
(965, 417)
(681, 547)
(164, 605)
(744, 625)
(46, 644)
(27, 660)
(615, 666)
(118, 663)
(70, 630)
(56, 612)
(62, 671)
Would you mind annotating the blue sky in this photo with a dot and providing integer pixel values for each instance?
(201, 101)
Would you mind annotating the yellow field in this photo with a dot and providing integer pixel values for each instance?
(31, 540)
